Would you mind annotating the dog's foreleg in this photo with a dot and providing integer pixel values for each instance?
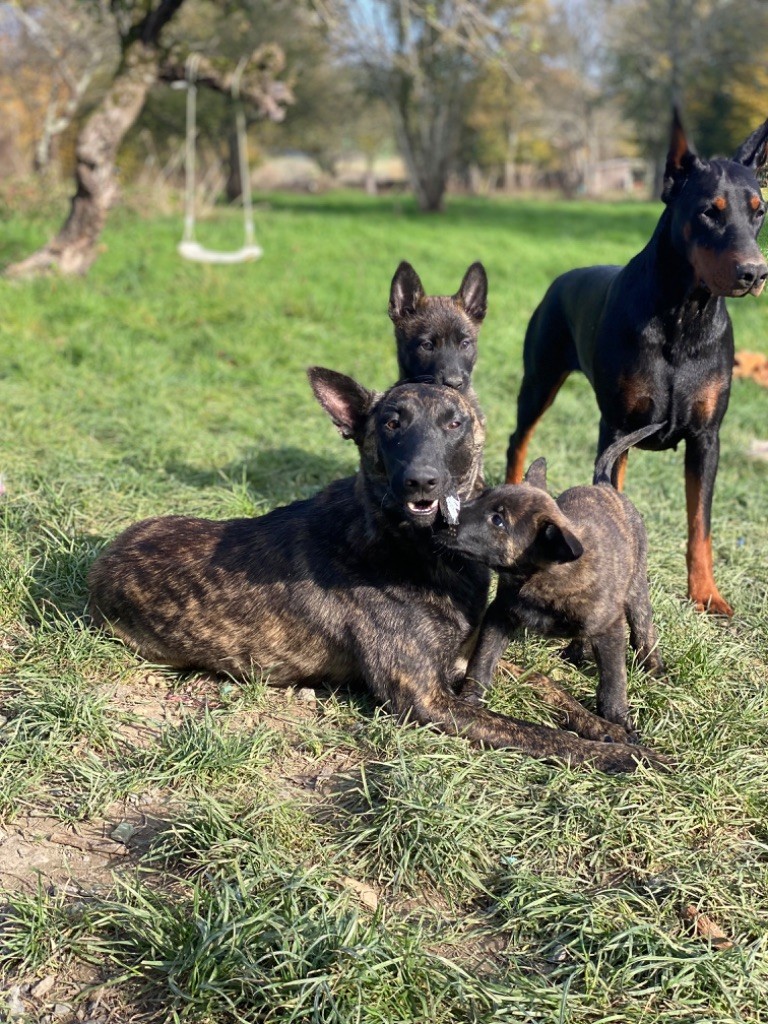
(427, 700)
(702, 454)
(497, 627)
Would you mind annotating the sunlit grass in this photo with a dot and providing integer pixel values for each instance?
(504, 889)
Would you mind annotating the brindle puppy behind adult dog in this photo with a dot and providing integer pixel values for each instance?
(341, 587)
(436, 335)
(575, 567)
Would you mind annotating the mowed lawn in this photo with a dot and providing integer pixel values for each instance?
(189, 848)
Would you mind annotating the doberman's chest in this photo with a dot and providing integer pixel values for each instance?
(665, 383)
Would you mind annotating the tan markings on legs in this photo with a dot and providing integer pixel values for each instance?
(620, 471)
(701, 581)
(705, 403)
(516, 468)
(635, 394)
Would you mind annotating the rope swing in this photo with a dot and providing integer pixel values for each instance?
(189, 247)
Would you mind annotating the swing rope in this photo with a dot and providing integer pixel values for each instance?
(189, 247)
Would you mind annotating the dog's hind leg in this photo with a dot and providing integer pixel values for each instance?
(642, 632)
(610, 650)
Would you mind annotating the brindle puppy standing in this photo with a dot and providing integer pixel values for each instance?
(344, 586)
(575, 567)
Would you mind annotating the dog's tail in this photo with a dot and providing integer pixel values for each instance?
(606, 462)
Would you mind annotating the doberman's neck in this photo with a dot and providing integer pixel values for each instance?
(677, 286)
(685, 307)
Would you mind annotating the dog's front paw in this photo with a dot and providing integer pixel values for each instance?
(612, 732)
(713, 603)
(472, 692)
(577, 652)
(628, 758)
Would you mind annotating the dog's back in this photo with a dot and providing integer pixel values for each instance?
(311, 590)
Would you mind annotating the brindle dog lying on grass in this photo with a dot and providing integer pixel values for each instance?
(575, 567)
(345, 586)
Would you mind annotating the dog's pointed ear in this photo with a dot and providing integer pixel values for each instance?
(555, 542)
(405, 292)
(537, 474)
(753, 152)
(346, 402)
(473, 292)
(681, 158)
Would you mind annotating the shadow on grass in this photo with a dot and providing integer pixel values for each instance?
(277, 475)
(57, 591)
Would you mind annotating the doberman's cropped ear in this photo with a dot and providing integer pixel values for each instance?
(556, 543)
(473, 292)
(405, 292)
(537, 474)
(346, 402)
(681, 158)
(753, 152)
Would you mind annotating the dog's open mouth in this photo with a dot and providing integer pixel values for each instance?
(423, 509)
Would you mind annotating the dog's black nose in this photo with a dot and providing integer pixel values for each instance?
(456, 382)
(422, 479)
(751, 274)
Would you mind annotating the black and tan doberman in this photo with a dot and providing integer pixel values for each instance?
(654, 337)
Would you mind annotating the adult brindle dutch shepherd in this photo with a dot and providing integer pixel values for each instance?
(345, 586)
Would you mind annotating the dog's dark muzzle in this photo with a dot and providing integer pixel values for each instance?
(419, 487)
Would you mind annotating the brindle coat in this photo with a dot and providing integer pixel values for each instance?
(436, 335)
(575, 567)
(345, 586)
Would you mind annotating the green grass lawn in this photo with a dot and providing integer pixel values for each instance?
(291, 857)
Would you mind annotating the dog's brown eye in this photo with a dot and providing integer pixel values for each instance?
(393, 423)
(465, 343)
(454, 424)
(428, 346)
(497, 520)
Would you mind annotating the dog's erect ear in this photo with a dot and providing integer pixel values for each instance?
(346, 402)
(753, 152)
(681, 158)
(405, 292)
(556, 543)
(473, 292)
(537, 474)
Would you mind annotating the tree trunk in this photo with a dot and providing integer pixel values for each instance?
(74, 248)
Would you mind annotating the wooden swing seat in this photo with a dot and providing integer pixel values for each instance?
(192, 250)
(189, 248)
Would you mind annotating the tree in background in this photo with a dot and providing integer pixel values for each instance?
(146, 57)
(58, 47)
(705, 55)
(420, 57)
